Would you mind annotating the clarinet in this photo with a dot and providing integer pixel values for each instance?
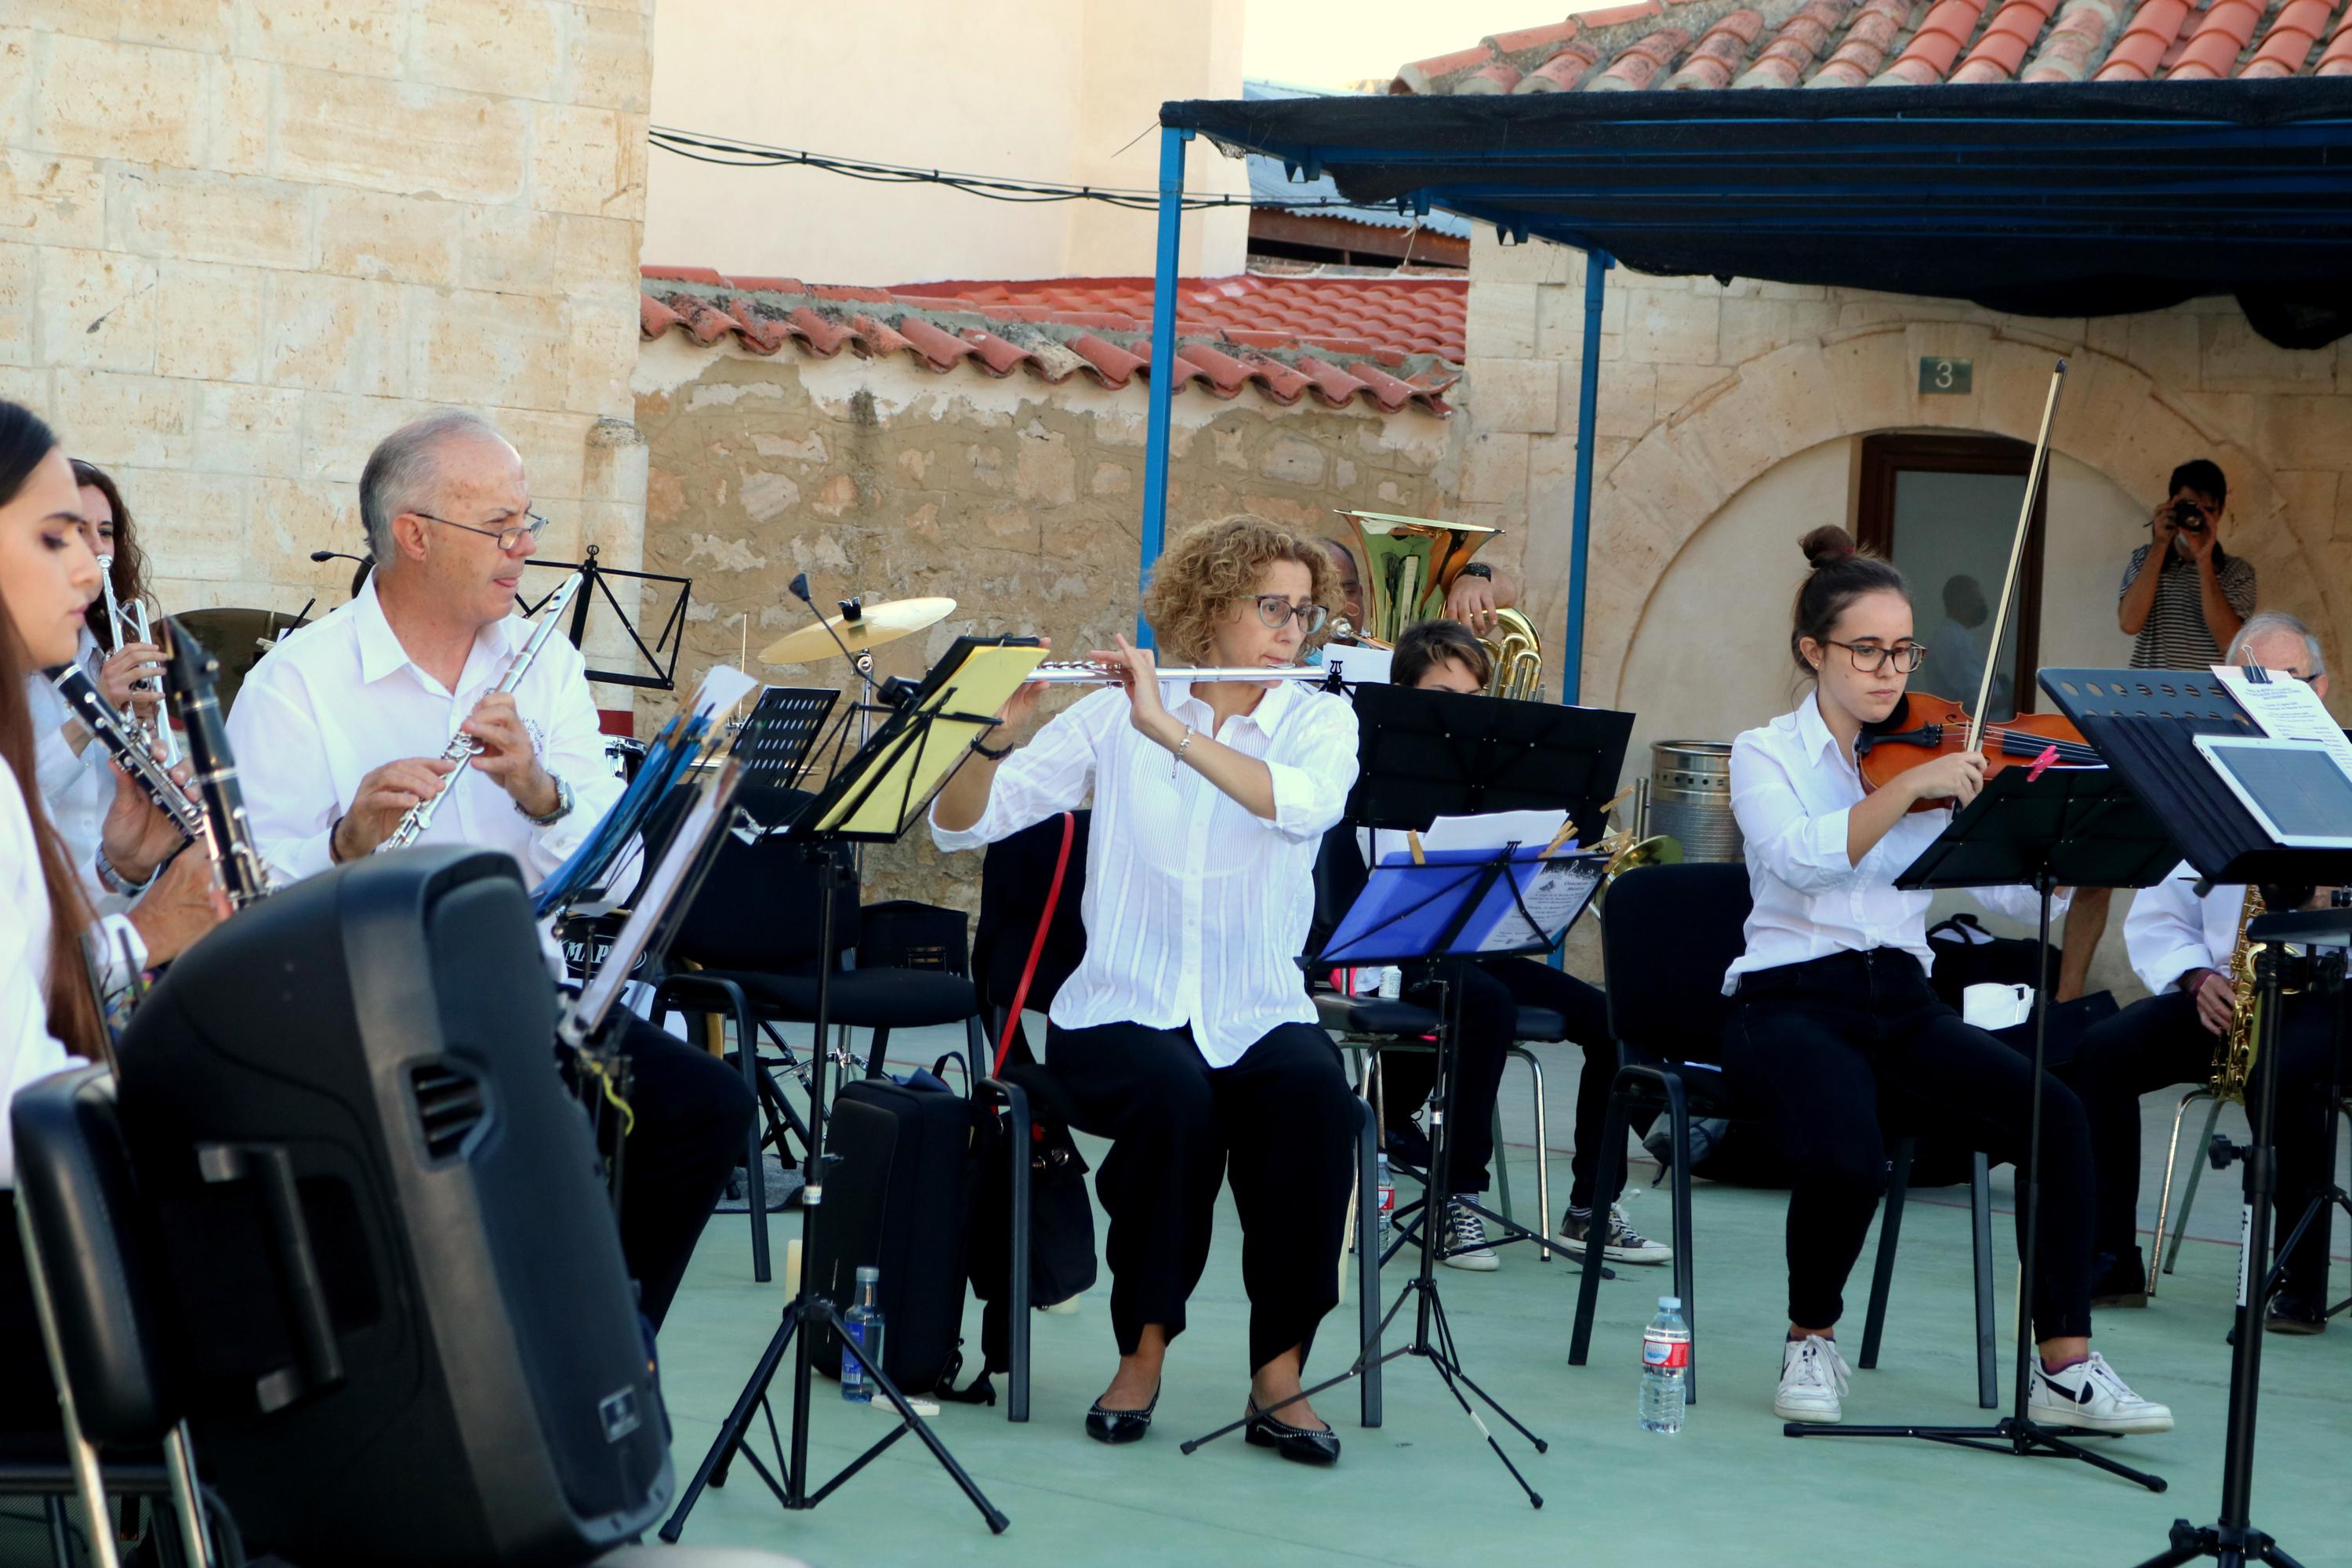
(128, 744)
(462, 747)
(189, 671)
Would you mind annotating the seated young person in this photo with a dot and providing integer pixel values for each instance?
(1835, 1022)
(1443, 656)
(2180, 946)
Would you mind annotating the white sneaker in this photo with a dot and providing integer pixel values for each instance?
(2089, 1395)
(1465, 1242)
(1812, 1376)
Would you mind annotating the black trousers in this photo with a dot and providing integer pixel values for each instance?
(1833, 1051)
(1281, 1121)
(1492, 995)
(28, 1399)
(2159, 1043)
(693, 1120)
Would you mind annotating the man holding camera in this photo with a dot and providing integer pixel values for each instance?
(2184, 612)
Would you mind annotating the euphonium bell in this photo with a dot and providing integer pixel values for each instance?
(1410, 565)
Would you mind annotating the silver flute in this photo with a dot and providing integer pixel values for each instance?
(1086, 672)
(128, 743)
(463, 748)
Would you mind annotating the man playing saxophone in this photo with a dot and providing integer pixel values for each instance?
(2183, 947)
(341, 728)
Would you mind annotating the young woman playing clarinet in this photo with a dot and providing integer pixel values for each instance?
(48, 1011)
(1834, 1018)
(1185, 1036)
(76, 785)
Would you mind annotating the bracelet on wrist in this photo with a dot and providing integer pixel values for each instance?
(994, 753)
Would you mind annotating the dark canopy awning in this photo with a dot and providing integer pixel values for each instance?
(2044, 199)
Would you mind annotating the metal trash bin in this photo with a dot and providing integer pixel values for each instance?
(1690, 798)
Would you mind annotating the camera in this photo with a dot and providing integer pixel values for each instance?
(2189, 517)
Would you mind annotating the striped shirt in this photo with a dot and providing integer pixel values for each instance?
(1195, 910)
(2174, 636)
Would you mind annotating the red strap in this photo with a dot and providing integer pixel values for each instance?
(1036, 944)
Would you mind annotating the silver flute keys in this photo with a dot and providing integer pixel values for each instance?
(1086, 672)
(128, 746)
(462, 748)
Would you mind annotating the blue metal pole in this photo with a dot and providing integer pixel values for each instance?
(1163, 361)
(1597, 264)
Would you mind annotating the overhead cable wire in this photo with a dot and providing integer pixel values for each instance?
(730, 153)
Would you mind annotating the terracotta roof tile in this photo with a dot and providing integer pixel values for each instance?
(1713, 45)
(1390, 343)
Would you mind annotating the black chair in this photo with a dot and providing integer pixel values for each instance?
(1013, 880)
(754, 951)
(1668, 933)
(92, 1252)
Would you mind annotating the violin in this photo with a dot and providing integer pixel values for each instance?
(1923, 728)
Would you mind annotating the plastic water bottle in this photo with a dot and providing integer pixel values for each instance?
(862, 1322)
(1392, 984)
(1666, 1364)
(1388, 1206)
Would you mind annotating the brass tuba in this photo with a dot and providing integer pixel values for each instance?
(1410, 565)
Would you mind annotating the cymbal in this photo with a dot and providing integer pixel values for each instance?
(237, 638)
(877, 625)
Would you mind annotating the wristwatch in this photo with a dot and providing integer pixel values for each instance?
(563, 805)
(1477, 569)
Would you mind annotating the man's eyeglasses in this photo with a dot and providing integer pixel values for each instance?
(1278, 612)
(1870, 657)
(508, 538)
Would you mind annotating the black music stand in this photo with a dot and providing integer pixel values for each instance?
(1457, 904)
(773, 747)
(2077, 827)
(2143, 722)
(874, 795)
(661, 658)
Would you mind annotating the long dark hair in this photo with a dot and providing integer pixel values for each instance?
(25, 441)
(1842, 573)
(130, 572)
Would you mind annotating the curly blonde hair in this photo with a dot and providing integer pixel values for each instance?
(1198, 579)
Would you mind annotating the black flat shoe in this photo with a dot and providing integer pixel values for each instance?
(1296, 1444)
(1119, 1425)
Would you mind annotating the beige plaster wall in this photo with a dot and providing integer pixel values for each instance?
(1051, 90)
(240, 241)
(1019, 501)
(1707, 389)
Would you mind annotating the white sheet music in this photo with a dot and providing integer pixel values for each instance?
(2287, 708)
(1552, 894)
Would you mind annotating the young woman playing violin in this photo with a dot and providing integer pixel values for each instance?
(1835, 1022)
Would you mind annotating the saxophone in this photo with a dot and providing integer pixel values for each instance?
(2233, 1051)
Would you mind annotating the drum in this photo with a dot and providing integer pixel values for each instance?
(1690, 798)
(237, 638)
(626, 754)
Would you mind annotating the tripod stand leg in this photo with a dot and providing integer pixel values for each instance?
(910, 1422)
(2041, 1435)
(1447, 1376)
(1367, 1270)
(1452, 1360)
(739, 1422)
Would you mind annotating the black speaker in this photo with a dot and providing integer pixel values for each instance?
(412, 1335)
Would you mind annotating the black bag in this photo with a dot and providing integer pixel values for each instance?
(899, 1198)
(1967, 954)
(1061, 1229)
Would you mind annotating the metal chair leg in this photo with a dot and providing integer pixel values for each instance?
(1368, 1268)
(187, 1499)
(1980, 1248)
(1685, 1276)
(1890, 1233)
(1542, 1227)
(1587, 1288)
(2168, 1252)
(1502, 1163)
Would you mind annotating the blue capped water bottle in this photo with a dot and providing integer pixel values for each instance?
(862, 1322)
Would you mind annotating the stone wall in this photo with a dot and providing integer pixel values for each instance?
(1019, 501)
(240, 241)
(1706, 387)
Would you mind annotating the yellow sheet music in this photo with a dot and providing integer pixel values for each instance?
(923, 758)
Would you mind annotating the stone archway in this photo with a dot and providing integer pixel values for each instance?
(2114, 419)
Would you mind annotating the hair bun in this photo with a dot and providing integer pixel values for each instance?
(1827, 545)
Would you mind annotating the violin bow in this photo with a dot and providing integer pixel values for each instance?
(2016, 555)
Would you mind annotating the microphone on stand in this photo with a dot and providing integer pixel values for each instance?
(366, 564)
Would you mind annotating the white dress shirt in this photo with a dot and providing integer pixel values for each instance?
(1793, 788)
(76, 787)
(341, 698)
(27, 1050)
(1196, 911)
(2171, 931)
